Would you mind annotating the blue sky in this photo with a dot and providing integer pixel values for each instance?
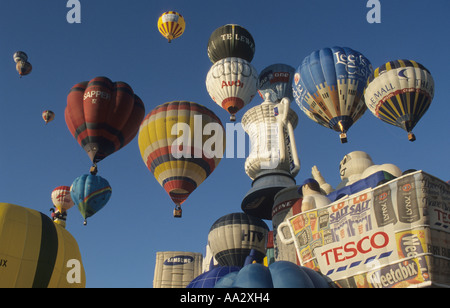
(120, 40)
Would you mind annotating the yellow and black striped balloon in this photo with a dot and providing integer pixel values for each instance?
(171, 25)
(35, 252)
(399, 93)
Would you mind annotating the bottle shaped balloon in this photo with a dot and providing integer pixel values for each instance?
(171, 25)
(399, 93)
(273, 162)
(328, 87)
(232, 84)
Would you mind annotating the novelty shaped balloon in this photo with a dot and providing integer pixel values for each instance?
(90, 193)
(232, 84)
(48, 116)
(181, 143)
(171, 25)
(61, 198)
(328, 87)
(103, 116)
(399, 93)
(231, 41)
(37, 253)
(276, 80)
(232, 237)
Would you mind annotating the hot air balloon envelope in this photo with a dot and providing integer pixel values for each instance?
(103, 116)
(171, 25)
(175, 148)
(399, 93)
(231, 41)
(328, 87)
(90, 193)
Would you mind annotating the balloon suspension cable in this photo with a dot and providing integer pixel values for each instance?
(93, 170)
(177, 211)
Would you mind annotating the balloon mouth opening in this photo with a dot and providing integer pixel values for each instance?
(232, 105)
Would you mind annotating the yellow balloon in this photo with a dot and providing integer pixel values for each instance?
(35, 252)
(171, 25)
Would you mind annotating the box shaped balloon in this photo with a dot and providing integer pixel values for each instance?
(394, 235)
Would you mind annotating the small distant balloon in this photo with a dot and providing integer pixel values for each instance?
(23, 67)
(171, 25)
(48, 116)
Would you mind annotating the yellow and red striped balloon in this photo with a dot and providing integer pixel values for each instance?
(171, 25)
(181, 143)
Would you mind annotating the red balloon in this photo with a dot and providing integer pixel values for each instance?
(103, 116)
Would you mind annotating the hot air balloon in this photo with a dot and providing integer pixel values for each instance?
(276, 80)
(399, 93)
(62, 201)
(171, 25)
(231, 83)
(232, 237)
(280, 274)
(23, 67)
(103, 116)
(181, 143)
(34, 252)
(176, 269)
(61, 198)
(231, 41)
(209, 279)
(20, 56)
(48, 116)
(90, 193)
(328, 87)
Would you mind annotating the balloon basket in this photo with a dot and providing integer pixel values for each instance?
(177, 213)
(411, 137)
(343, 137)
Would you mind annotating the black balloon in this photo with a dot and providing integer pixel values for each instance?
(231, 41)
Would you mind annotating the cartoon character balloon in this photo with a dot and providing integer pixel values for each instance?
(181, 143)
(399, 93)
(171, 25)
(103, 116)
(232, 84)
(231, 41)
(328, 87)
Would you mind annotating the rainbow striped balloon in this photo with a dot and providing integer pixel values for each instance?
(90, 193)
(181, 143)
